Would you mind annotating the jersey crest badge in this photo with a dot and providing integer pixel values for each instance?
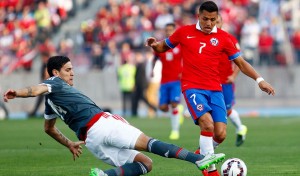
(214, 41)
(200, 107)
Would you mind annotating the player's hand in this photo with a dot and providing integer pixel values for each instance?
(76, 149)
(9, 94)
(266, 87)
(151, 41)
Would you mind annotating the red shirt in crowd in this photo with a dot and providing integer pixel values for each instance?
(296, 40)
(265, 42)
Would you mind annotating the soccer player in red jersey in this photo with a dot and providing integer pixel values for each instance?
(203, 45)
(228, 74)
(170, 91)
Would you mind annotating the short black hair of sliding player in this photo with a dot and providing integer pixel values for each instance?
(209, 6)
(56, 62)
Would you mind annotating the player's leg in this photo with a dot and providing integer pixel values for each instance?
(206, 135)
(164, 102)
(241, 130)
(111, 133)
(126, 136)
(145, 143)
(175, 122)
(127, 162)
(204, 115)
(228, 93)
(235, 119)
(199, 108)
(175, 93)
(220, 123)
(200, 111)
(181, 113)
(141, 164)
(112, 140)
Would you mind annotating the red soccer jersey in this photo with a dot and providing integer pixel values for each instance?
(171, 64)
(201, 55)
(225, 66)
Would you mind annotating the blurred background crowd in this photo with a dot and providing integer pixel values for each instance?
(26, 28)
(263, 28)
(113, 37)
(268, 31)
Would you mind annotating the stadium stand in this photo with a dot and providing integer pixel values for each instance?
(101, 41)
(24, 26)
(133, 21)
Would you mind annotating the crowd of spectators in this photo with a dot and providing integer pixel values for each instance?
(120, 28)
(25, 29)
(126, 24)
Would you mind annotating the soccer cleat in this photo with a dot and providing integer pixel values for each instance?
(97, 172)
(210, 159)
(213, 173)
(241, 136)
(174, 135)
(204, 172)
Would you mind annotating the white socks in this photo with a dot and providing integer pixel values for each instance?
(175, 119)
(206, 146)
(235, 119)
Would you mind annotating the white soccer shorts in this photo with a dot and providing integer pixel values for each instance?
(112, 139)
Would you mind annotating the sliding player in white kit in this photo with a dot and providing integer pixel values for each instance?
(109, 137)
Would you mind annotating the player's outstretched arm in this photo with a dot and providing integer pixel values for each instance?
(248, 70)
(159, 47)
(31, 91)
(74, 147)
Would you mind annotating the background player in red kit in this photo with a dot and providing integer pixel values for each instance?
(228, 74)
(170, 91)
(202, 45)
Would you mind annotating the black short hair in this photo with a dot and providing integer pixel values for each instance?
(56, 62)
(209, 6)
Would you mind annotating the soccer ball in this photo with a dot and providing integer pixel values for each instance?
(234, 167)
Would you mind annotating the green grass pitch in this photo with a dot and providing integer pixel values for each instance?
(272, 148)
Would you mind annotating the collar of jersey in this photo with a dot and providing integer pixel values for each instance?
(214, 30)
